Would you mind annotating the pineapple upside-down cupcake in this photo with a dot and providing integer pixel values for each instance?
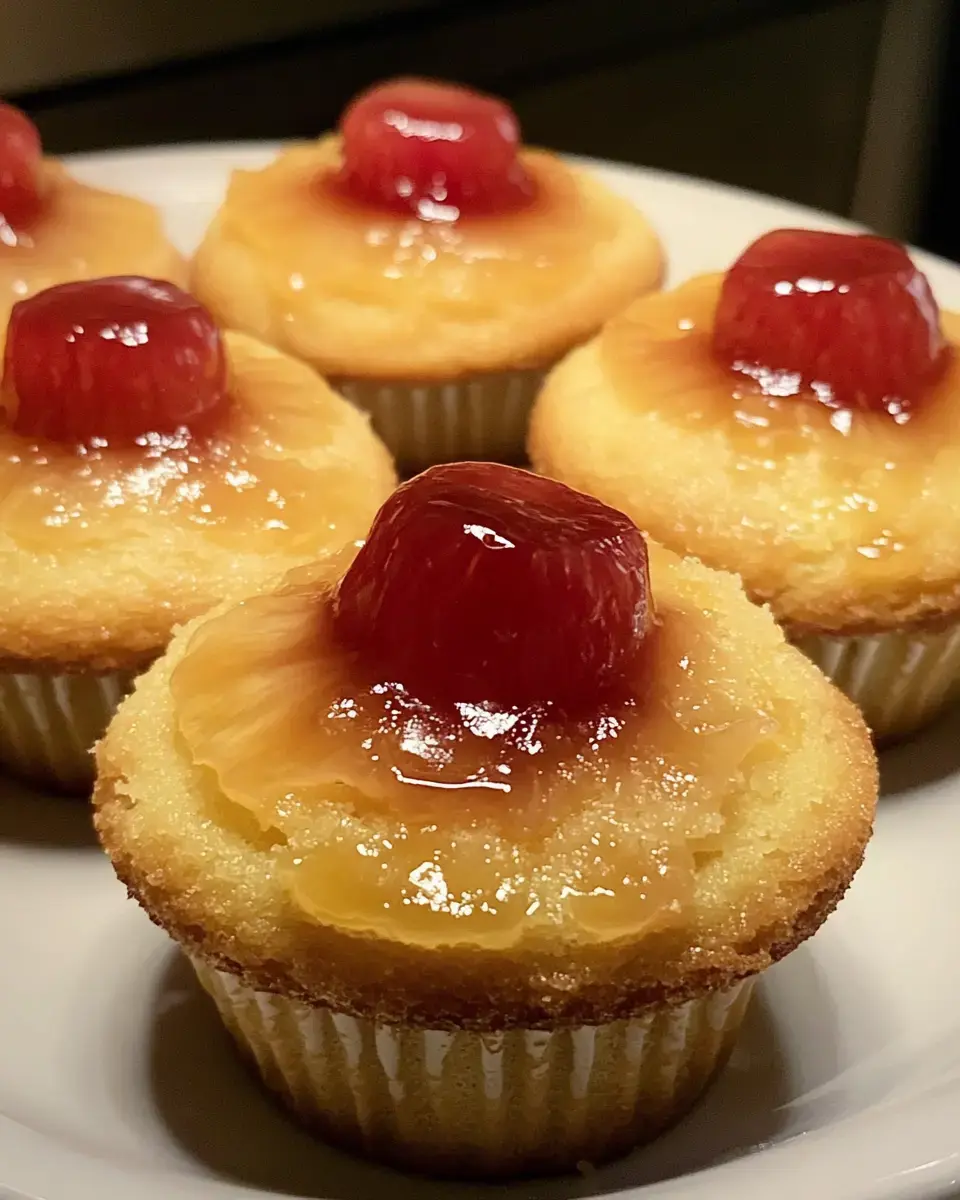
(54, 229)
(427, 264)
(795, 421)
(149, 467)
(479, 836)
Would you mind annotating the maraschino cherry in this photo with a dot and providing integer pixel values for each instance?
(114, 359)
(846, 317)
(434, 149)
(486, 584)
(20, 158)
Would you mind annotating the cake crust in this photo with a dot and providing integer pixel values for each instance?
(470, 990)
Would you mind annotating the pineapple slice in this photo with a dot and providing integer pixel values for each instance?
(474, 824)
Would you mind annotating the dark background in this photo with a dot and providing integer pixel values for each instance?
(852, 106)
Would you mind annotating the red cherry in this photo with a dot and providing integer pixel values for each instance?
(434, 148)
(485, 583)
(20, 156)
(847, 316)
(112, 358)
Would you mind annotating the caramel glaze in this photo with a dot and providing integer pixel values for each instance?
(471, 824)
(845, 479)
(240, 484)
(315, 238)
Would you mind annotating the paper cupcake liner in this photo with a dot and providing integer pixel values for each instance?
(457, 1103)
(482, 417)
(49, 724)
(899, 680)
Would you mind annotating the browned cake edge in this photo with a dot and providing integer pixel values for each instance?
(468, 987)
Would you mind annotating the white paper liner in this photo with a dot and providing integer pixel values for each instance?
(481, 417)
(49, 724)
(900, 681)
(465, 1104)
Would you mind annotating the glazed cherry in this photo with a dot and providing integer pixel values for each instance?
(433, 148)
(487, 584)
(20, 157)
(115, 359)
(846, 316)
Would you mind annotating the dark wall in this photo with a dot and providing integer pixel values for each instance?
(940, 221)
(768, 94)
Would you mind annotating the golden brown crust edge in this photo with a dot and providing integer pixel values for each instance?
(392, 991)
(106, 663)
(385, 981)
(65, 643)
(925, 614)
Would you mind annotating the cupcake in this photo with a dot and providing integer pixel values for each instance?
(54, 229)
(794, 421)
(149, 467)
(478, 837)
(427, 264)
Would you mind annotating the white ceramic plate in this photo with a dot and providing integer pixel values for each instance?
(116, 1082)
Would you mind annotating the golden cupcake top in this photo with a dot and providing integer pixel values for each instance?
(54, 228)
(424, 240)
(145, 458)
(502, 725)
(802, 410)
